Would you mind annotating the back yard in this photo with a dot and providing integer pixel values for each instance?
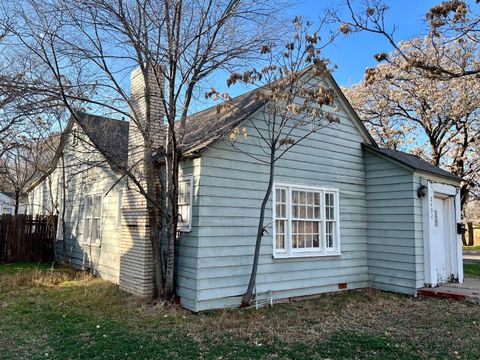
(61, 314)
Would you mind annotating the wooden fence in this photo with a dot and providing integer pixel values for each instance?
(27, 238)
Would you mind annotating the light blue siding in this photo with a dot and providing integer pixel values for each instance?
(229, 193)
(395, 245)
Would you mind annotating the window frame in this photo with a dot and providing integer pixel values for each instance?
(86, 240)
(289, 251)
(188, 226)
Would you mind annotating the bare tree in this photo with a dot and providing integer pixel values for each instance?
(435, 119)
(452, 20)
(90, 47)
(19, 166)
(290, 85)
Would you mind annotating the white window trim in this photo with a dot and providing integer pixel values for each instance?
(85, 240)
(288, 252)
(188, 227)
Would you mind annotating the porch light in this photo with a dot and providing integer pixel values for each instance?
(422, 191)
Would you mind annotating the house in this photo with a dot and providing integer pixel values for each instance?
(7, 204)
(344, 214)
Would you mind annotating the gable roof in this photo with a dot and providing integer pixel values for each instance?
(209, 125)
(109, 136)
(411, 161)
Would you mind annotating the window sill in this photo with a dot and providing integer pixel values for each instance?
(306, 255)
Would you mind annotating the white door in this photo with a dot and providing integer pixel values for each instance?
(439, 239)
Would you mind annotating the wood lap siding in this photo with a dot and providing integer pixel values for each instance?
(230, 190)
(395, 247)
(104, 259)
(187, 245)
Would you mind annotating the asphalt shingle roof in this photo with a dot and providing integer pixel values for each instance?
(110, 136)
(412, 161)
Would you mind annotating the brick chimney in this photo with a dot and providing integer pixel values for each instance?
(136, 260)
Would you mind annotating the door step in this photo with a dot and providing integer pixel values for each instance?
(441, 293)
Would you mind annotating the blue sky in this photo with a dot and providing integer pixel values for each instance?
(354, 53)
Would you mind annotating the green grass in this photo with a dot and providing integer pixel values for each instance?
(472, 269)
(13, 268)
(476, 247)
(48, 313)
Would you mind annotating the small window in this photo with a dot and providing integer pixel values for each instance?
(305, 221)
(185, 185)
(92, 219)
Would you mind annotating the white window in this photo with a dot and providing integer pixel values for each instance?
(119, 208)
(305, 221)
(185, 185)
(92, 215)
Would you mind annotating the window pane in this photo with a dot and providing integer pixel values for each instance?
(294, 197)
(280, 234)
(88, 206)
(329, 234)
(317, 198)
(303, 212)
(88, 229)
(295, 211)
(302, 197)
(97, 206)
(310, 212)
(96, 231)
(310, 198)
(315, 241)
(183, 212)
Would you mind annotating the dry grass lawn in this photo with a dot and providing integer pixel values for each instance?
(60, 314)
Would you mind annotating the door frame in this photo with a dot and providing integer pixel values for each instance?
(454, 261)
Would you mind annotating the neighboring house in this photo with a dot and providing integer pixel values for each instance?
(346, 214)
(7, 204)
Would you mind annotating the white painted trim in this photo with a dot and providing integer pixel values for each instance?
(451, 195)
(188, 227)
(289, 252)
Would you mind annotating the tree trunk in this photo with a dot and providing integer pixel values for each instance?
(17, 202)
(471, 238)
(154, 219)
(172, 170)
(247, 297)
